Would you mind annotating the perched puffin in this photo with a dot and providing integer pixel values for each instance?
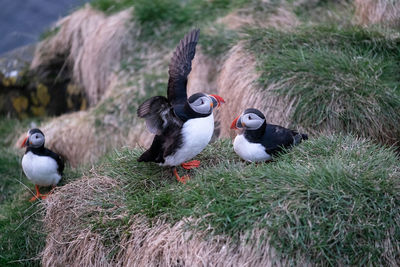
(182, 126)
(41, 165)
(259, 141)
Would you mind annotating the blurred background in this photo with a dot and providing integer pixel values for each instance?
(24, 21)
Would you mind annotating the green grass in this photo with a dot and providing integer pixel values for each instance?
(324, 11)
(334, 199)
(168, 20)
(343, 78)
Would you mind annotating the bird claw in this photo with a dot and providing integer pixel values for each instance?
(183, 179)
(191, 164)
(34, 198)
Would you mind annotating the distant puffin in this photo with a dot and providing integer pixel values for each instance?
(41, 165)
(183, 127)
(259, 141)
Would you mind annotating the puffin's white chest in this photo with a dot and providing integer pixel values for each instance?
(41, 170)
(196, 134)
(249, 151)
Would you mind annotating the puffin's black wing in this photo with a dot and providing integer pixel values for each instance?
(180, 67)
(159, 115)
(277, 137)
(57, 158)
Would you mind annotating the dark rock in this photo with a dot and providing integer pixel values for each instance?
(42, 92)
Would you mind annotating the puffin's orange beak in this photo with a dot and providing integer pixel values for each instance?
(24, 142)
(219, 100)
(233, 125)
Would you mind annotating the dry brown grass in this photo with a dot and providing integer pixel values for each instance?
(91, 44)
(237, 83)
(73, 241)
(70, 241)
(385, 12)
(281, 18)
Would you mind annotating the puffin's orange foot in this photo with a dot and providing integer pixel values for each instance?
(37, 196)
(191, 164)
(34, 198)
(183, 179)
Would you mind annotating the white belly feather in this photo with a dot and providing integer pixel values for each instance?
(41, 170)
(252, 152)
(196, 134)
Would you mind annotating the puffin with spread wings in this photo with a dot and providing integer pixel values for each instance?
(182, 126)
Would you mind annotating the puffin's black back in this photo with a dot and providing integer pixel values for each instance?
(274, 137)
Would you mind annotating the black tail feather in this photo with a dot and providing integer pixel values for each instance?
(154, 153)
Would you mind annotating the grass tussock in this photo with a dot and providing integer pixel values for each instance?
(237, 84)
(386, 12)
(80, 39)
(330, 200)
(265, 14)
(340, 79)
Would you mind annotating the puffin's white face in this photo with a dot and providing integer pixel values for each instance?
(36, 140)
(251, 121)
(202, 105)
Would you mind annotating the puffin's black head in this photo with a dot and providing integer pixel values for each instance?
(35, 138)
(203, 104)
(251, 119)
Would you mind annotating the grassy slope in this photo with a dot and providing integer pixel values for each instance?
(22, 237)
(322, 204)
(344, 78)
(335, 199)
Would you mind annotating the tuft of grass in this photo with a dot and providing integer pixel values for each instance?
(334, 199)
(342, 79)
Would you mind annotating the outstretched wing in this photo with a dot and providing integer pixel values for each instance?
(180, 67)
(159, 115)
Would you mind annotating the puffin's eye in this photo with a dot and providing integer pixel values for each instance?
(37, 137)
(249, 117)
(202, 101)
